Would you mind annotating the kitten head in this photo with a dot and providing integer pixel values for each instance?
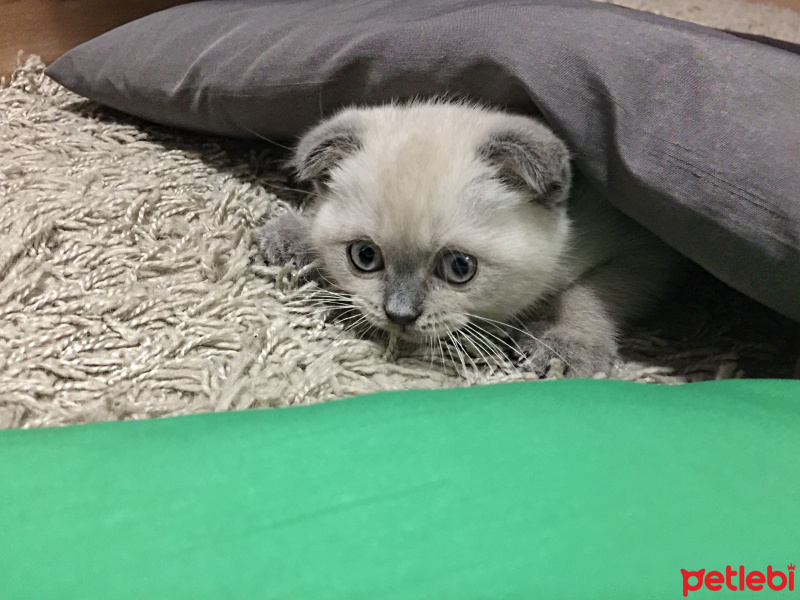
(430, 215)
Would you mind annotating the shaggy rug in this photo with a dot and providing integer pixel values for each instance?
(130, 286)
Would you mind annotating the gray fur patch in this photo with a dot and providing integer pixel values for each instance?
(524, 161)
(285, 239)
(324, 147)
(403, 297)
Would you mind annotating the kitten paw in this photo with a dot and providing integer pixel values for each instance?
(284, 240)
(578, 357)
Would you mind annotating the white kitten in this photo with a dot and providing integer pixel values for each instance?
(438, 217)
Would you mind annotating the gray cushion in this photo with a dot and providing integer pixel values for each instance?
(693, 132)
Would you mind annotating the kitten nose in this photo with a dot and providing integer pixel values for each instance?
(401, 315)
(402, 309)
(403, 298)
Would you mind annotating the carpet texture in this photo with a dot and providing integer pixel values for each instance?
(130, 286)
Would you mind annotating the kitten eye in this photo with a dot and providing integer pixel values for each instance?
(365, 256)
(456, 267)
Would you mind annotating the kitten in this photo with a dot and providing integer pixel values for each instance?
(437, 217)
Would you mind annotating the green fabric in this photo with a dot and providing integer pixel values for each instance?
(567, 489)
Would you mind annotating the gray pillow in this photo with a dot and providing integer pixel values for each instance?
(693, 132)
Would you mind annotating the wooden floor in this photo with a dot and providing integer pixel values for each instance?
(51, 27)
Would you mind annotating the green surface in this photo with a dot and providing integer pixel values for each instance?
(568, 489)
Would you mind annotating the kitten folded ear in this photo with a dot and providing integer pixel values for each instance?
(531, 158)
(322, 148)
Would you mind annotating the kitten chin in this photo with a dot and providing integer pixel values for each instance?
(445, 220)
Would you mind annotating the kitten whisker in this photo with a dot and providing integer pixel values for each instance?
(318, 303)
(507, 341)
(454, 341)
(322, 312)
(491, 350)
(527, 334)
(429, 348)
(353, 326)
(344, 315)
(441, 350)
(320, 293)
(473, 345)
(326, 312)
(286, 188)
(350, 322)
(446, 347)
(317, 298)
(266, 139)
(315, 288)
(328, 281)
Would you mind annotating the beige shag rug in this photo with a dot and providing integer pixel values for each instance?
(130, 286)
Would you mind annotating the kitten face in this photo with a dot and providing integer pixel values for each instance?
(431, 215)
